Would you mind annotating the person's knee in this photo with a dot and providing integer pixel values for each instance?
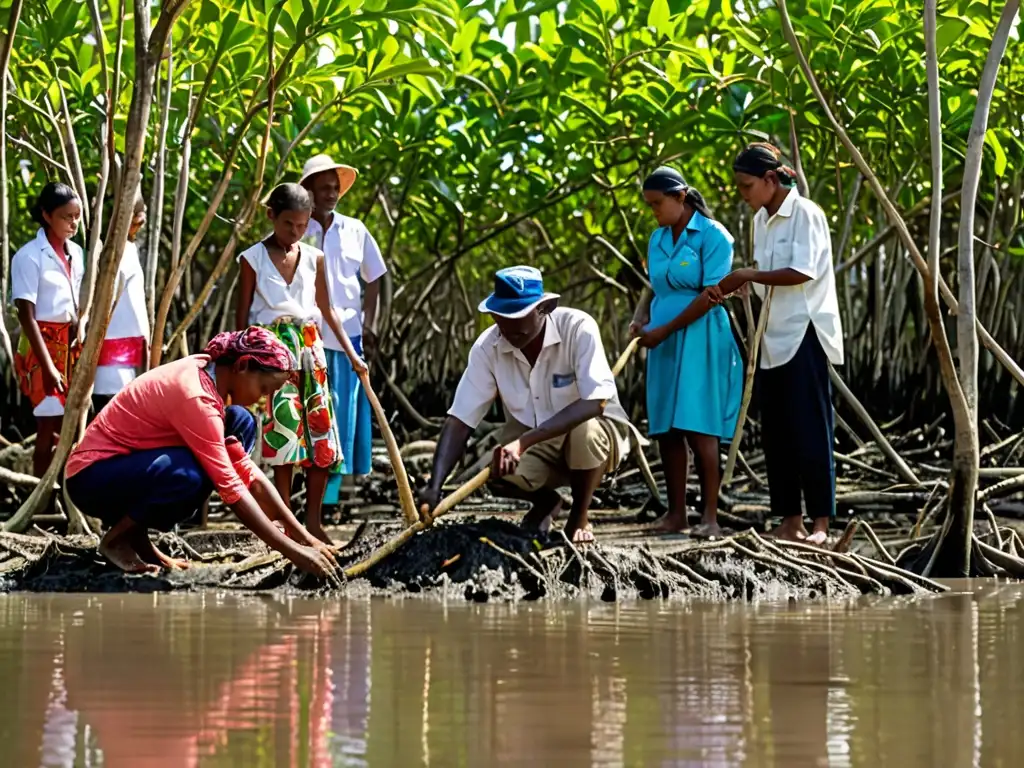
(240, 424)
(588, 446)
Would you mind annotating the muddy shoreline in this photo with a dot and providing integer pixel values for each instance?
(476, 559)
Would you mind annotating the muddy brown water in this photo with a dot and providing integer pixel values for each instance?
(222, 679)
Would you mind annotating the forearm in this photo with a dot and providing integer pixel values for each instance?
(695, 310)
(450, 447)
(563, 422)
(780, 277)
(269, 500)
(371, 300)
(29, 326)
(252, 517)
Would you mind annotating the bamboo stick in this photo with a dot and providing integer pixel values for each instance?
(405, 496)
(748, 388)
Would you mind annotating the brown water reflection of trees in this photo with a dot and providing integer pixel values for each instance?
(153, 682)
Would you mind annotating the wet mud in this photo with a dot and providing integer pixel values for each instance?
(479, 560)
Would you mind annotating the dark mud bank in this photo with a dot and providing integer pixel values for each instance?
(483, 560)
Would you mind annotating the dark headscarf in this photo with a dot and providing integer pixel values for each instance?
(254, 345)
(758, 159)
(669, 181)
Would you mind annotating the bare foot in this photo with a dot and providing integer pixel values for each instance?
(584, 535)
(671, 522)
(818, 539)
(148, 552)
(119, 552)
(706, 531)
(791, 529)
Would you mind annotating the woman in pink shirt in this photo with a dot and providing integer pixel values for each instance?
(169, 438)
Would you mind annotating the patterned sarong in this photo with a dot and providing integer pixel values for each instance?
(64, 351)
(297, 423)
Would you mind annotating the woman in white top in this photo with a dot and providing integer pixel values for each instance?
(803, 335)
(124, 349)
(46, 277)
(284, 288)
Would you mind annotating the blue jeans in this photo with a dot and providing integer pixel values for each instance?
(157, 488)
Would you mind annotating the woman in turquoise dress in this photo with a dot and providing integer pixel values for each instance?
(694, 371)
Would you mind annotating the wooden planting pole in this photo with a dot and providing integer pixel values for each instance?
(748, 388)
(405, 496)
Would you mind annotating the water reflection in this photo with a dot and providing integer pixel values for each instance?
(172, 680)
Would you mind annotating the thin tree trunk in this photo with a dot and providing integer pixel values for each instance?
(963, 486)
(5, 204)
(148, 49)
(156, 200)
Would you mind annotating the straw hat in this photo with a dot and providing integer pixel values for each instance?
(346, 173)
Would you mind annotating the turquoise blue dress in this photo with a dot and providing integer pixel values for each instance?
(695, 377)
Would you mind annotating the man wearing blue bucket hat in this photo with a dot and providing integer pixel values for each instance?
(564, 424)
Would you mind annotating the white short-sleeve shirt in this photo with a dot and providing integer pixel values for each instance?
(129, 320)
(274, 298)
(571, 366)
(38, 275)
(797, 237)
(350, 253)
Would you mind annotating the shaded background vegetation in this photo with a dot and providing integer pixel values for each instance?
(508, 131)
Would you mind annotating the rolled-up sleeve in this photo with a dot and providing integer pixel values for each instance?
(812, 244)
(201, 427)
(477, 388)
(593, 374)
(373, 266)
(25, 272)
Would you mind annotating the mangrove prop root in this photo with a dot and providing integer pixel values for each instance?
(489, 559)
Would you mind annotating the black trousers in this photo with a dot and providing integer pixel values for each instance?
(797, 428)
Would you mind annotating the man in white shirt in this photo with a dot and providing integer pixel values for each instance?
(564, 424)
(353, 260)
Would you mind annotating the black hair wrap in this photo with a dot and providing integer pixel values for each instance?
(759, 159)
(669, 181)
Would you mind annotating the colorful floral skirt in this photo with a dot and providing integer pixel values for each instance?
(64, 350)
(297, 422)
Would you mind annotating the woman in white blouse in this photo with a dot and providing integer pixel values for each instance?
(46, 277)
(284, 289)
(124, 348)
(803, 335)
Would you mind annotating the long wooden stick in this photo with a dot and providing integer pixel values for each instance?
(405, 496)
(748, 388)
(448, 503)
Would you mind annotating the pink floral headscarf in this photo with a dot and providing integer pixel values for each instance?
(253, 344)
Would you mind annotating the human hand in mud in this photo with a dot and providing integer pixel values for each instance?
(505, 460)
(313, 560)
(329, 551)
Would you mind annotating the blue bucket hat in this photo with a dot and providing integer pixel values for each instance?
(517, 291)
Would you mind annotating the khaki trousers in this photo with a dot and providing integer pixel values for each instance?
(594, 443)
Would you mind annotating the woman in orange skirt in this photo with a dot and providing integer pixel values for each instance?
(46, 277)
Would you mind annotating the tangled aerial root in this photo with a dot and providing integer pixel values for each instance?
(480, 560)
